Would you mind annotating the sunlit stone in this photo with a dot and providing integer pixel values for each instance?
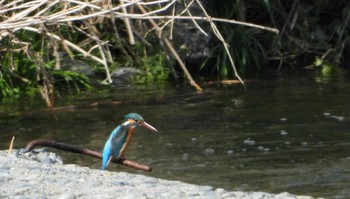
(184, 156)
(283, 119)
(249, 142)
(304, 143)
(340, 118)
(327, 114)
(283, 132)
(261, 148)
(230, 152)
(209, 151)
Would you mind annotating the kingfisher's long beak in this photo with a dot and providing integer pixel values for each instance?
(149, 127)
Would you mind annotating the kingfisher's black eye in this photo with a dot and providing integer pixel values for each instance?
(138, 121)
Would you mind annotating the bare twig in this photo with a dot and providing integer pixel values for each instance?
(70, 44)
(226, 46)
(11, 145)
(173, 51)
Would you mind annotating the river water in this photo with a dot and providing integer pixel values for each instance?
(284, 135)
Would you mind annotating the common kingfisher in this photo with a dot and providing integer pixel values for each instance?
(120, 138)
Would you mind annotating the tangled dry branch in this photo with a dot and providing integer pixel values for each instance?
(46, 17)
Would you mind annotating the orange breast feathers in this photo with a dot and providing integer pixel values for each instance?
(127, 142)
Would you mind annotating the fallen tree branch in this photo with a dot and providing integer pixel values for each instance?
(85, 151)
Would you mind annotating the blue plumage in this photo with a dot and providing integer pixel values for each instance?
(121, 136)
(107, 150)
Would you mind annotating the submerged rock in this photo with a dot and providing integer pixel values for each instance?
(28, 176)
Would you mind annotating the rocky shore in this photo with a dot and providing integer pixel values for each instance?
(41, 174)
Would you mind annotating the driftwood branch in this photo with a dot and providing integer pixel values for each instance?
(74, 149)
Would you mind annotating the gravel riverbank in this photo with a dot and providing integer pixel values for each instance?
(41, 174)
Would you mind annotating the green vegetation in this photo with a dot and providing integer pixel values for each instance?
(153, 69)
(309, 31)
(312, 34)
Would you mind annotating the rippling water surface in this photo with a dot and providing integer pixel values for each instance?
(286, 135)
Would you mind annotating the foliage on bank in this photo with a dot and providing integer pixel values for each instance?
(111, 35)
(313, 35)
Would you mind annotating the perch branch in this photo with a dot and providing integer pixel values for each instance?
(85, 151)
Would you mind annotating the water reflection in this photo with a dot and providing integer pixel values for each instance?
(275, 136)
